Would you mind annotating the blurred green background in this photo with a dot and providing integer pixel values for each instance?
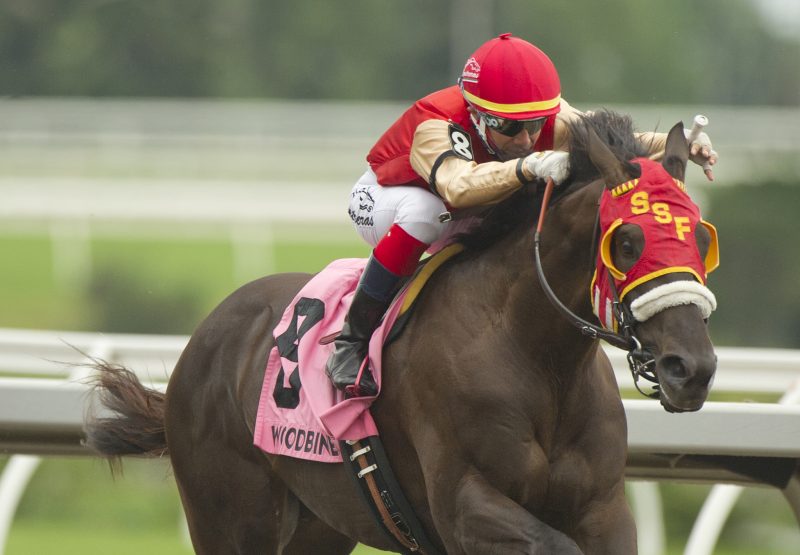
(239, 128)
(711, 52)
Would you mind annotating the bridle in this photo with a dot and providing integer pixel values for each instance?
(640, 361)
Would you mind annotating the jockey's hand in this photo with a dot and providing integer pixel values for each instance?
(701, 153)
(548, 163)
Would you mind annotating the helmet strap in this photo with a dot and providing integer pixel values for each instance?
(480, 127)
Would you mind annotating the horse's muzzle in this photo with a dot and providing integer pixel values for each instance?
(685, 382)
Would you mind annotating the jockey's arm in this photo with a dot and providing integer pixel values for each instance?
(702, 152)
(654, 142)
(454, 176)
(565, 116)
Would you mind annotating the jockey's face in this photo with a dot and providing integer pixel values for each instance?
(509, 148)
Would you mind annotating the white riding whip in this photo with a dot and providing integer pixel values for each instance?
(699, 122)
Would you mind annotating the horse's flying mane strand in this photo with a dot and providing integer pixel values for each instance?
(614, 129)
(522, 208)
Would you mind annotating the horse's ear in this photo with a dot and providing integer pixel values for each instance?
(611, 168)
(676, 153)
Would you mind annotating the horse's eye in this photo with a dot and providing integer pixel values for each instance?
(627, 249)
(627, 246)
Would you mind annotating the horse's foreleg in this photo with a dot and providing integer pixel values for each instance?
(314, 536)
(609, 528)
(484, 521)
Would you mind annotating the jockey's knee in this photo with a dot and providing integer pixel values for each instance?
(423, 231)
(419, 216)
(374, 209)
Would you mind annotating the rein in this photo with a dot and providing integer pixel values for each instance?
(640, 361)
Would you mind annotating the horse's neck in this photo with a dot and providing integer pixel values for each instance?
(566, 245)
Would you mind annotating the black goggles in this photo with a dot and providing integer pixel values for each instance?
(512, 127)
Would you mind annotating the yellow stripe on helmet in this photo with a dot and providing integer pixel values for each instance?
(512, 108)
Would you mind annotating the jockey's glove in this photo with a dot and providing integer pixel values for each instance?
(700, 151)
(548, 163)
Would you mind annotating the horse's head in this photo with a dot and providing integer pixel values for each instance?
(653, 258)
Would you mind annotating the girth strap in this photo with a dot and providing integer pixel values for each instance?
(371, 472)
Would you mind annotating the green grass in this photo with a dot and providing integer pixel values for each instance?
(28, 293)
(33, 538)
(139, 285)
(46, 538)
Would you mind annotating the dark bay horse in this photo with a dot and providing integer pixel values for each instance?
(503, 423)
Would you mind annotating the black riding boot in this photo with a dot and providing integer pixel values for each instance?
(371, 299)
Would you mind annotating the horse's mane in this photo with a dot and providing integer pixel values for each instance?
(522, 208)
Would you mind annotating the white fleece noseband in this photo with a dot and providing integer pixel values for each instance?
(672, 294)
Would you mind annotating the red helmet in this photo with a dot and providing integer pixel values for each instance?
(511, 78)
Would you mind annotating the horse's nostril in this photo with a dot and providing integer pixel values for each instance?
(674, 367)
(691, 371)
(704, 380)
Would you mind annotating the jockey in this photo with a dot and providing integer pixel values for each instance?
(467, 146)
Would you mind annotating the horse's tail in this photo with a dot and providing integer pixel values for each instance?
(136, 423)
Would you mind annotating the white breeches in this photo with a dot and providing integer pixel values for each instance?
(374, 209)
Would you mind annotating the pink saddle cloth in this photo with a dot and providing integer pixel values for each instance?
(300, 413)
